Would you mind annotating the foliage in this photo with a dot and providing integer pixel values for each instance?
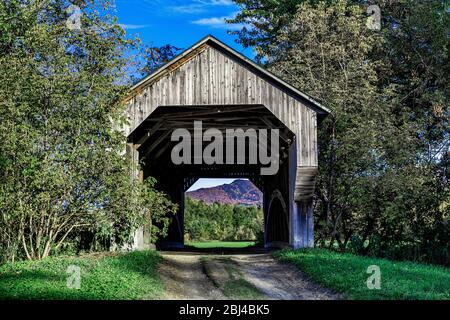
(63, 170)
(347, 274)
(263, 20)
(153, 213)
(221, 222)
(384, 151)
(103, 276)
(155, 57)
(157, 209)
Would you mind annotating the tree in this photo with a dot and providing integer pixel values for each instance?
(63, 168)
(383, 160)
(155, 57)
(326, 56)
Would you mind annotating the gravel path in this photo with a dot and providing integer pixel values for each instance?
(184, 278)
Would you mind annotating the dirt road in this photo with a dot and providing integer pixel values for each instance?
(205, 276)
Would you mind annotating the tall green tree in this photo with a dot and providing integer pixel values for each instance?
(326, 50)
(63, 167)
(383, 176)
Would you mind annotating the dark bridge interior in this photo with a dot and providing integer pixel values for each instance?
(153, 141)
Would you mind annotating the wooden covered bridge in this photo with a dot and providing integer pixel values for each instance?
(212, 83)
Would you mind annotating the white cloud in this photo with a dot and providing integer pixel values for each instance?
(134, 26)
(199, 6)
(217, 22)
(217, 2)
(188, 9)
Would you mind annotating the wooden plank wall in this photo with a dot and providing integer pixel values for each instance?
(211, 77)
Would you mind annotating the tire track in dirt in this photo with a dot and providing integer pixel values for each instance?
(278, 281)
(184, 278)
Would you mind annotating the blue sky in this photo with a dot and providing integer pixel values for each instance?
(179, 23)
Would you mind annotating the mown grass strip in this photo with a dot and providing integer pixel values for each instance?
(347, 273)
(103, 276)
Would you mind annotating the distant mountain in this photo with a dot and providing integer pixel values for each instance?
(238, 192)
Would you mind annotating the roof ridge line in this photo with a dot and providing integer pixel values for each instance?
(322, 109)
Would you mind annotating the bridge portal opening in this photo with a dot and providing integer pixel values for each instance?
(249, 130)
(249, 143)
(213, 87)
(223, 214)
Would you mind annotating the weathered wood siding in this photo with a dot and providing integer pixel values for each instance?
(211, 77)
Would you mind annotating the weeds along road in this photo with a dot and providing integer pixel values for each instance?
(235, 276)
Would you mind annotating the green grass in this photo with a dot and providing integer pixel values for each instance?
(221, 244)
(230, 279)
(103, 276)
(241, 289)
(347, 274)
(238, 287)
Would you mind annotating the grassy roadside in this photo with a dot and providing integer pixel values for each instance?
(347, 274)
(103, 276)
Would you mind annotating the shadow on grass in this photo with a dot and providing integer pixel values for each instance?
(120, 276)
(39, 285)
(347, 274)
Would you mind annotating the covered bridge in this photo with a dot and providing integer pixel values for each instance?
(214, 84)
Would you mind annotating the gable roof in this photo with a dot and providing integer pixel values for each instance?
(215, 43)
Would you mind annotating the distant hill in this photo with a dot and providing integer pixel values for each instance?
(238, 192)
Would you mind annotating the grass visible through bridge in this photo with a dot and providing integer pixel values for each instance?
(221, 244)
